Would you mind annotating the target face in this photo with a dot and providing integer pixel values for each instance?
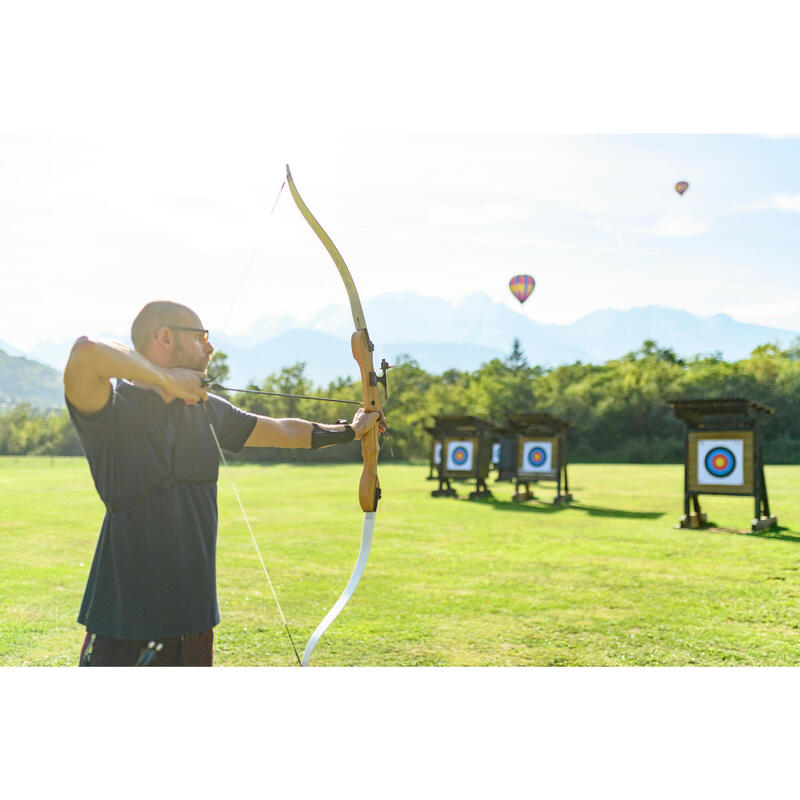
(537, 457)
(720, 461)
(437, 453)
(460, 456)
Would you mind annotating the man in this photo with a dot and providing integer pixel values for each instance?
(155, 463)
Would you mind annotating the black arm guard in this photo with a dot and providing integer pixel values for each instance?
(322, 438)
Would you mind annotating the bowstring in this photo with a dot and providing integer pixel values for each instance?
(252, 535)
(225, 462)
(238, 291)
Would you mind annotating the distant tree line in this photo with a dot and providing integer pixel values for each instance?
(25, 430)
(619, 411)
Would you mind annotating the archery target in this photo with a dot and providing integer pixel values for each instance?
(437, 453)
(460, 455)
(537, 457)
(720, 461)
(496, 453)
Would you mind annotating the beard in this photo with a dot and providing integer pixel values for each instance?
(186, 360)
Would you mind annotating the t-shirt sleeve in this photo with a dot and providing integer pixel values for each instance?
(233, 426)
(93, 429)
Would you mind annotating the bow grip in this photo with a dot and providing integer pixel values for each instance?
(369, 487)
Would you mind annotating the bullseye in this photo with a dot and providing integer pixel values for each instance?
(720, 462)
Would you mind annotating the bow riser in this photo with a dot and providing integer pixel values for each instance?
(368, 488)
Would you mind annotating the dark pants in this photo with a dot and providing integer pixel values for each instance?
(196, 650)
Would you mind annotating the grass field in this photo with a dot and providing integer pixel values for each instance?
(607, 581)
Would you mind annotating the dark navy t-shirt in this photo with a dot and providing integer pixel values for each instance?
(155, 468)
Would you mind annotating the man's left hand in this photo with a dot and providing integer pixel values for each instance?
(365, 421)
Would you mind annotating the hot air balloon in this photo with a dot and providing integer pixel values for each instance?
(521, 287)
(681, 187)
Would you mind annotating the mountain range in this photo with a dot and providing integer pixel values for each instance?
(440, 336)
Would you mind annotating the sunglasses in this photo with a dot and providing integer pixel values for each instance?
(204, 331)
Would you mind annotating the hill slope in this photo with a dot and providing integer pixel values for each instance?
(25, 381)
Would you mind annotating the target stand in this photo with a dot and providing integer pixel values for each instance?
(722, 455)
(533, 448)
(465, 453)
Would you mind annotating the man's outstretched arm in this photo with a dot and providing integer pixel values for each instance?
(300, 433)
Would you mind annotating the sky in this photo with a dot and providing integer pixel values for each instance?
(143, 162)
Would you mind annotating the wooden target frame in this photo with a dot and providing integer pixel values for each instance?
(539, 474)
(474, 469)
(748, 485)
(733, 423)
(481, 434)
(523, 429)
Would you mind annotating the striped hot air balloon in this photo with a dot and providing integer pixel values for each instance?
(521, 287)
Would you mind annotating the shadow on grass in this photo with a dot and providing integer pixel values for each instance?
(777, 533)
(541, 507)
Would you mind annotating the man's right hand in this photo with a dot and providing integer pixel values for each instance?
(186, 384)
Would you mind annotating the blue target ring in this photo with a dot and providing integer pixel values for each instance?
(720, 462)
(460, 455)
(537, 456)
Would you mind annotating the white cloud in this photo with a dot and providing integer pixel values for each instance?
(785, 202)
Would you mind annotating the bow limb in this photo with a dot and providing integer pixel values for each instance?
(358, 571)
(369, 487)
(362, 347)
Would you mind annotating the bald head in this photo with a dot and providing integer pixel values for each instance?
(156, 315)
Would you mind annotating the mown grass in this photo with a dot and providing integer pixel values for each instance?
(607, 581)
